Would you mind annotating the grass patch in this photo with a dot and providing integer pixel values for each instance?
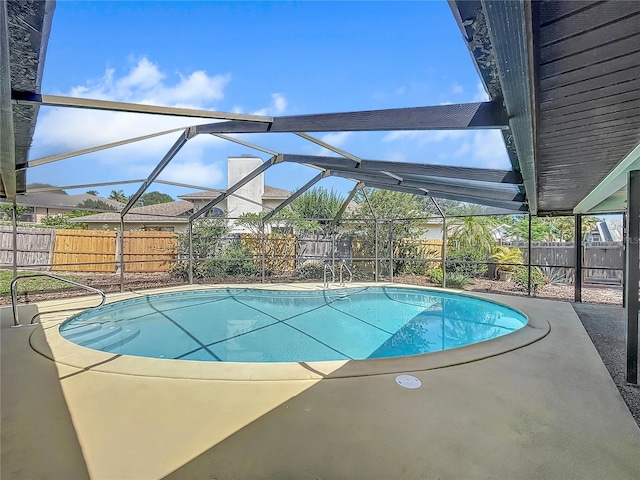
(34, 284)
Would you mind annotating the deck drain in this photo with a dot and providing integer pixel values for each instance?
(408, 381)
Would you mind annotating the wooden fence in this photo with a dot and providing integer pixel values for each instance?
(149, 251)
(34, 246)
(88, 250)
(84, 251)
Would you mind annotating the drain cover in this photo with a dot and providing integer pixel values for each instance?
(408, 381)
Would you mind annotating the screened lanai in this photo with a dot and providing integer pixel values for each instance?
(562, 84)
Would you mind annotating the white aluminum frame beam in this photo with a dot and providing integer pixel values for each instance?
(106, 105)
(231, 190)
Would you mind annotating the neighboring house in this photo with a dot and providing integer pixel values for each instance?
(609, 230)
(254, 197)
(41, 204)
(166, 217)
(500, 233)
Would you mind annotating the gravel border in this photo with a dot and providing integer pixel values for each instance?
(606, 326)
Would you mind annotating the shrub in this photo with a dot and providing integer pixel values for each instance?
(235, 261)
(308, 271)
(457, 280)
(555, 275)
(507, 255)
(467, 254)
(436, 276)
(538, 279)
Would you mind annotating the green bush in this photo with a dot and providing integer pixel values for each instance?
(309, 271)
(454, 280)
(466, 254)
(436, 276)
(538, 279)
(457, 280)
(234, 261)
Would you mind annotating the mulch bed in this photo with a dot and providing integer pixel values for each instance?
(140, 281)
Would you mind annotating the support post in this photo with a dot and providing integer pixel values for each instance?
(444, 251)
(624, 263)
(375, 271)
(578, 259)
(121, 254)
(190, 253)
(633, 274)
(263, 250)
(391, 251)
(529, 259)
(14, 224)
(333, 250)
(444, 241)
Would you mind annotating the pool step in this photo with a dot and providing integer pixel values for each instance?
(103, 336)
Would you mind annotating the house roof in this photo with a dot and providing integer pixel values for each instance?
(170, 212)
(62, 201)
(269, 193)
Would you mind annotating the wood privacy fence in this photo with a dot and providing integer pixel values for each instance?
(88, 250)
(84, 251)
(34, 246)
(609, 256)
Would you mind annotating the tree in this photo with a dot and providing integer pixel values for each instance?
(471, 230)
(541, 229)
(312, 211)
(118, 196)
(8, 210)
(445, 205)
(91, 204)
(153, 198)
(92, 192)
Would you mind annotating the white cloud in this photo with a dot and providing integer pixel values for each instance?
(68, 129)
(193, 172)
(480, 149)
(277, 107)
(481, 94)
(457, 88)
(335, 140)
(488, 150)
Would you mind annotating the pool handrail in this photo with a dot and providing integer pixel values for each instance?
(14, 295)
(328, 266)
(343, 265)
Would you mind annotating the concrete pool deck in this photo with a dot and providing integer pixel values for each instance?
(548, 409)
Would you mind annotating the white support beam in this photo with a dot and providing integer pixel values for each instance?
(54, 158)
(92, 104)
(611, 184)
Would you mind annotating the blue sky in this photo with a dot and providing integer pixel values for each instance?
(268, 58)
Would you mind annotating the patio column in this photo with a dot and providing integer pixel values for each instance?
(121, 254)
(375, 269)
(577, 241)
(190, 252)
(529, 259)
(262, 253)
(444, 251)
(633, 273)
(391, 251)
(14, 224)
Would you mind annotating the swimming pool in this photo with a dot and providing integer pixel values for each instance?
(250, 325)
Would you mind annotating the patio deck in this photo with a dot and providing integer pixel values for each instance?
(547, 410)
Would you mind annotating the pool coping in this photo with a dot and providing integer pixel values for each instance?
(48, 342)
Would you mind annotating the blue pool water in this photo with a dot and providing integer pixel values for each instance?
(245, 325)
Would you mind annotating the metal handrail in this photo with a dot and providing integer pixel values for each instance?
(343, 265)
(333, 275)
(14, 295)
